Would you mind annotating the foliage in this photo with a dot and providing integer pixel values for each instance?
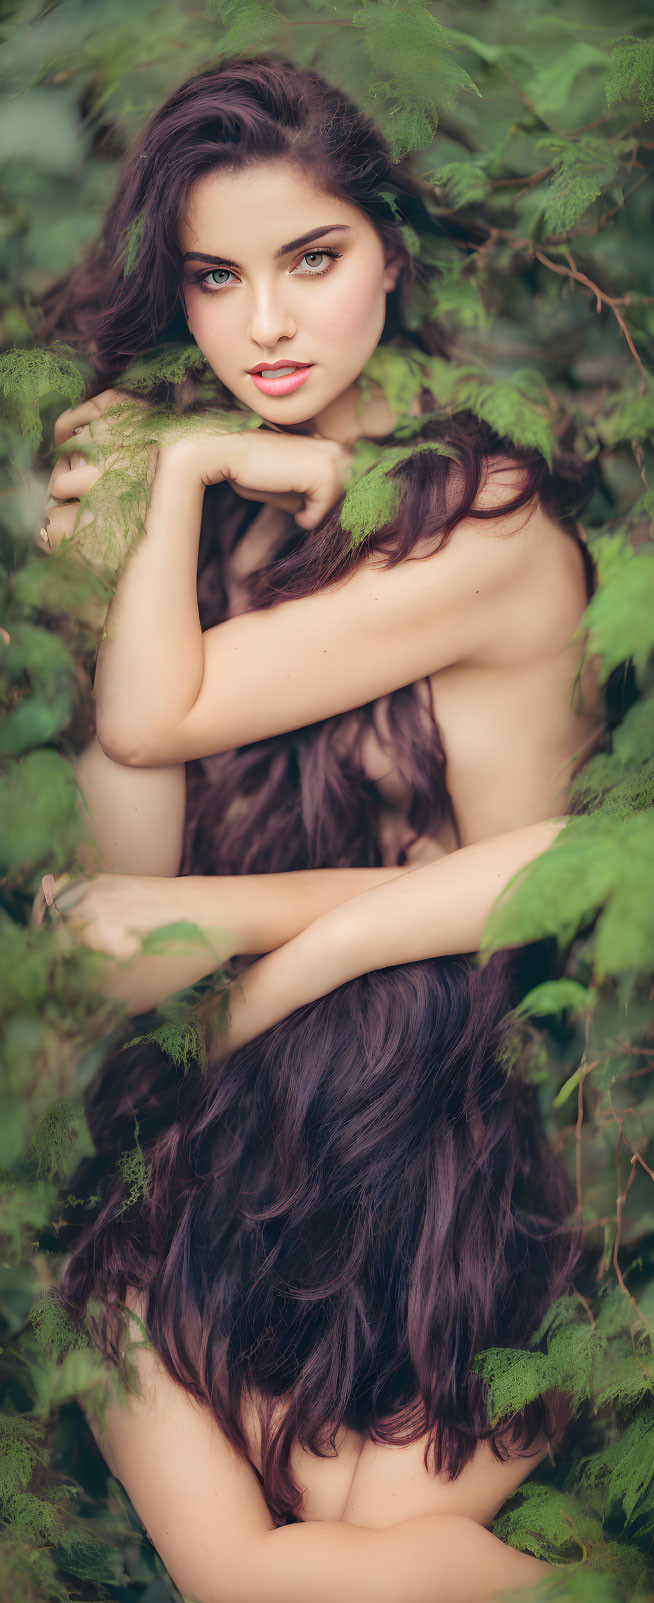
(532, 131)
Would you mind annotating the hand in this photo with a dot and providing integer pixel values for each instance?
(108, 912)
(99, 438)
(282, 469)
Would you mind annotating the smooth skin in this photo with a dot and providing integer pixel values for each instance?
(204, 1510)
(488, 620)
(321, 927)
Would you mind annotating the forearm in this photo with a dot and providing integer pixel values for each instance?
(263, 911)
(241, 914)
(150, 663)
(432, 911)
(432, 1559)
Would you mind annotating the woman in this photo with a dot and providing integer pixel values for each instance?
(333, 1227)
(379, 672)
(502, 601)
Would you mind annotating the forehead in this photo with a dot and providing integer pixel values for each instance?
(259, 207)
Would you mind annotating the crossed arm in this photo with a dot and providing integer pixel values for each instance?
(320, 928)
(167, 693)
(205, 1512)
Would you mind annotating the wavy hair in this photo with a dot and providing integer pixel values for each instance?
(339, 1219)
(308, 803)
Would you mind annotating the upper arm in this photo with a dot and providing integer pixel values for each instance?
(200, 1502)
(133, 818)
(382, 628)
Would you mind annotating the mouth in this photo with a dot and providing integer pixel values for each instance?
(277, 367)
(279, 378)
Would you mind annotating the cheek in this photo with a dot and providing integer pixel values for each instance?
(351, 310)
(211, 329)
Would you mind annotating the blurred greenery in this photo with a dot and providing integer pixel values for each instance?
(537, 119)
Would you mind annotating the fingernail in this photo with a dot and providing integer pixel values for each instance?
(47, 886)
(79, 428)
(45, 538)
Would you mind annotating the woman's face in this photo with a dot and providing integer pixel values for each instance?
(250, 299)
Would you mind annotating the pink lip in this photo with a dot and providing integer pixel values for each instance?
(281, 386)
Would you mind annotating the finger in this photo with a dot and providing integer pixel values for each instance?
(75, 417)
(64, 464)
(69, 484)
(87, 412)
(50, 890)
(70, 894)
(63, 522)
(317, 505)
(289, 502)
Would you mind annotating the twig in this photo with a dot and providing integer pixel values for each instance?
(600, 222)
(505, 183)
(620, 1201)
(601, 298)
(585, 1304)
(636, 1158)
(639, 1361)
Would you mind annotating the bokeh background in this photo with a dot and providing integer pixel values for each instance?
(537, 121)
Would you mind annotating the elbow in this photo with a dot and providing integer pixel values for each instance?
(122, 747)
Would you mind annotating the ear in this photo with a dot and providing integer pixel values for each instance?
(392, 268)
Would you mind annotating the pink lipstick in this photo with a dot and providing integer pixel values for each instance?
(285, 383)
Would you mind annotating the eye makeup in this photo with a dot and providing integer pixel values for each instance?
(201, 279)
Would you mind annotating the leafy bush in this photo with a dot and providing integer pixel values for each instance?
(539, 119)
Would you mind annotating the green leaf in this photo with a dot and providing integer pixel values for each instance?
(22, 1447)
(622, 780)
(52, 1326)
(464, 181)
(629, 416)
(374, 499)
(180, 1036)
(596, 866)
(135, 1172)
(550, 85)
(161, 364)
(517, 408)
(43, 658)
(583, 167)
(631, 63)
(40, 821)
(620, 616)
(250, 25)
(181, 937)
(399, 374)
(56, 1137)
(555, 995)
(28, 376)
(420, 74)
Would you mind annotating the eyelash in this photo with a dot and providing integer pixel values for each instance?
(203, 277)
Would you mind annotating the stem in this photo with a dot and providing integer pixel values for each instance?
(601, 298)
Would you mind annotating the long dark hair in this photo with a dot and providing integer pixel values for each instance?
(308, 805)
(340, 1217)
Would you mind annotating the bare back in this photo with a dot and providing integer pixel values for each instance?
(516, 717)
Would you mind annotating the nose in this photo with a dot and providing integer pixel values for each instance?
(270, 320)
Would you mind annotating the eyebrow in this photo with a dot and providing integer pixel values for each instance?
(294, 244)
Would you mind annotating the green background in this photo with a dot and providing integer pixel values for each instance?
(538, 120)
